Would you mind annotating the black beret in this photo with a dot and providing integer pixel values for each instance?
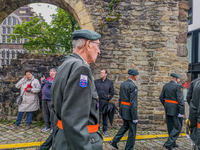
(133, 72)
(85, 34)
(175, 75)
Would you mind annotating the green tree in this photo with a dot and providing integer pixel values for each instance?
(56, 36)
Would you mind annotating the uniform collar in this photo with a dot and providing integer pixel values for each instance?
(173, 81)
(78, 56)
(131, 80)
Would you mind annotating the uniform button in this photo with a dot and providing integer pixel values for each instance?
(97, 97)
(92, 140)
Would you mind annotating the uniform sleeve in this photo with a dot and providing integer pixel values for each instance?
(76, 110)
(133, 101)
(180, 99)
(162, 96)
(111, 91)
(189, 94)
(36, 87)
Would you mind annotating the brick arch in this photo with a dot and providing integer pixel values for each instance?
(73, 7)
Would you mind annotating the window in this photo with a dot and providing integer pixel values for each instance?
(4, 30)
(8, 37)
(14, 21)
(25, 40)
(8, 31)
(190, 13)
(4, 22)
(189, 47)
(18, 40)
(13, 41)
(199, 47)
(18, 22)
(9, 20)
(3, 39)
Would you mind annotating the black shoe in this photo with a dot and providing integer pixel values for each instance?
(176, 146)
(114, 144)
(167, 147)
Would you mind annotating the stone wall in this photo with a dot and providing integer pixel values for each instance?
(11, 74)
(148, 35)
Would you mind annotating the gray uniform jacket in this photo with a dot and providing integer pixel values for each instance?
(74, 101)
(173, 91)
(190, 91)
(128, 93)
(194, 115)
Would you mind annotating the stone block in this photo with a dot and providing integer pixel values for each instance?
(165, 18)
(182, 50)
(164, 68)
(183, 15)
(184, 5)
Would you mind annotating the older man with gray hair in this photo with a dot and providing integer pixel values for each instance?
(74, 97)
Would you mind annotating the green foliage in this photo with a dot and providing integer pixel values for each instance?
(112, 4)
(39, 123)
(56, 36)
(13, 122)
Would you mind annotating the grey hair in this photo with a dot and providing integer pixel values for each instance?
(130, 76)
(78, 43)
(53, 69)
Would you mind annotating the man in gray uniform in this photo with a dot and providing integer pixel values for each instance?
(74, 97)
(173, 102)
(194, 116)
(128, 110)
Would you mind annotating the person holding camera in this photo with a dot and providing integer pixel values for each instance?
(46, 100)
(29, 87)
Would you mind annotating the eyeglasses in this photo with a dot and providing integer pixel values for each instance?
(97, 44)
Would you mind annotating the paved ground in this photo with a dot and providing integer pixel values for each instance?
(8, 136)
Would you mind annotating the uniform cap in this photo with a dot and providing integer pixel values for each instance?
(133, 72)
(85, 34)
(175, 75)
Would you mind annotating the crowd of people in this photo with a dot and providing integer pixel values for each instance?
(73, 103)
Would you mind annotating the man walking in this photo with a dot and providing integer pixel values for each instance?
(173, 102)
(74, 97)
(194, 116)
(46, 100)
(105, 92)
(128, 110)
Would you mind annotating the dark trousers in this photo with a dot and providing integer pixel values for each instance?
(48, 143)
(174, 126)
(128, 124)
(28, 118)
(47, 113)
(105, 121)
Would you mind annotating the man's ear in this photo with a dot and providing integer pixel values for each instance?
(88, 45)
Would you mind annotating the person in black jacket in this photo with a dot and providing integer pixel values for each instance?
(105, 92)
(172, 99)
(128, 110)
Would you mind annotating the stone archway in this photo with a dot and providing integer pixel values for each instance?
(74, 7)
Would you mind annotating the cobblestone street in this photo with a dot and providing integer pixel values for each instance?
(8, 136)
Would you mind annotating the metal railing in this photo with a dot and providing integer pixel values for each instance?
(6, 55)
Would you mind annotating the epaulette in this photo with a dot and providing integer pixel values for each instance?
(192, 81)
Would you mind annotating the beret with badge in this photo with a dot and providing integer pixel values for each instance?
(133, 72)
(85, 34)
(175, 75)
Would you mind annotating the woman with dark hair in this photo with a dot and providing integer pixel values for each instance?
(29, 87)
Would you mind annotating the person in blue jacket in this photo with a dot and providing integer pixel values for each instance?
(46, 100)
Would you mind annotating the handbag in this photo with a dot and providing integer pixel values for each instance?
(19, 98)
